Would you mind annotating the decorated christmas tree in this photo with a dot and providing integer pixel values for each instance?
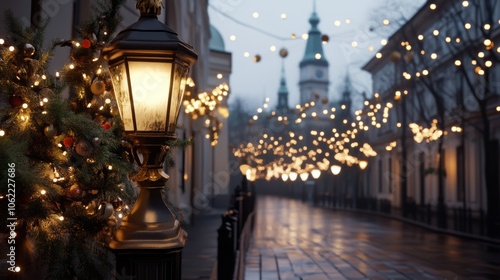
(64, 163)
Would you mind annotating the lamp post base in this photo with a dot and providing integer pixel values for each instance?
(148, 264)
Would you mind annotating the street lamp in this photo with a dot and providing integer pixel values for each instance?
(363, 164)
(335, 169)
(304, 176)
(149, 66)
(284, 177)
(251, 174)
(316, 173)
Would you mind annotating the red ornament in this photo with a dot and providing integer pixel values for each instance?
(106, 126)
(86, 43)
(68, 142)
(15, 101)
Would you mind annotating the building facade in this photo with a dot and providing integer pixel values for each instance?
(441, 71)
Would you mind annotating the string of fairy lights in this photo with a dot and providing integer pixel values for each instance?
(205, 104)
(295, 154)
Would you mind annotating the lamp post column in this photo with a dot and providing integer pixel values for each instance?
(149, 66)
(149, 242)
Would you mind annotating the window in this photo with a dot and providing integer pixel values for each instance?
(380, 176)
(421, 169)
(389, 173)
(460, 174)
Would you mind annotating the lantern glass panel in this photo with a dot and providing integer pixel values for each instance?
(150, 84)
(180, 77)
(120, 86)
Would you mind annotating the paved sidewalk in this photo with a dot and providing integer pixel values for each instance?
(295, 241)
(200, 253)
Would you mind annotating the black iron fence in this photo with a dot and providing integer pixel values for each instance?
(460, 220)
(234, 234)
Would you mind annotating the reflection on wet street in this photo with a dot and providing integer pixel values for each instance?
(293, 240)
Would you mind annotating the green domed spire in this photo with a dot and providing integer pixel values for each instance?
(314, 47)
(282, 106)
(216, 43)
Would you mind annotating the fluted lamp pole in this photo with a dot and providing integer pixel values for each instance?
(149, 66)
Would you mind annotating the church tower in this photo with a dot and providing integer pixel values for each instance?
(282, 107)
(314, 66)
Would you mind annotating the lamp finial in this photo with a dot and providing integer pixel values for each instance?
(149, 6)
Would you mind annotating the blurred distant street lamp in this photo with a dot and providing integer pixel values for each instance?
(315, 173)
(304, 176)
(363, 164)
(284, 177)
(252, 174)
(149, 66)
(335, 169)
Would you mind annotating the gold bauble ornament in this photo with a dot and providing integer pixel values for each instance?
(75, 192)
(325, 39)
(98, 87)
(395, 56)
(283, 52)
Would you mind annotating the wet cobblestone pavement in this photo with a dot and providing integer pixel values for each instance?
(293, 240)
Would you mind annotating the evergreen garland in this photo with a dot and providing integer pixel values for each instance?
(71, 160)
